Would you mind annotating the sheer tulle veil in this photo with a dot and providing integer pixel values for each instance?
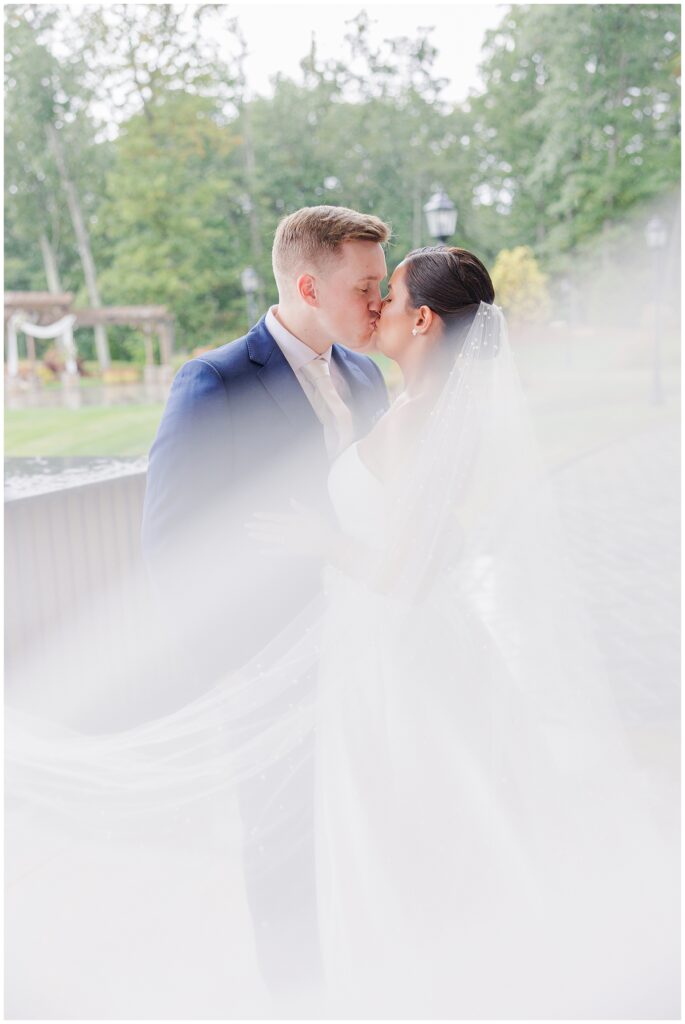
(485, 839)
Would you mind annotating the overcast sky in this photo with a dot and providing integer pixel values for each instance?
(278, 35)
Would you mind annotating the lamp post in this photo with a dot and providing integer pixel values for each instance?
(656, 236)
(441, 215)
(249, 279)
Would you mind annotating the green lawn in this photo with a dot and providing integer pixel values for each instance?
(577, 406)
(91, 430)
(130, 429)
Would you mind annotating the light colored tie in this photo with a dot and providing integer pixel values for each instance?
(338, 426)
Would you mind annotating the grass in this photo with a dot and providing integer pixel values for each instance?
(581, 398)
(114, 430)
(130, 429)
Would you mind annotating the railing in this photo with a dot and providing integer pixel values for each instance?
(64, 550)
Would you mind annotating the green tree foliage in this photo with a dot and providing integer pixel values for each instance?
(183, 175)
(170, 215)
(368, 131)
(41, 91)
(168, 219)
(579, 120)
(136, 54)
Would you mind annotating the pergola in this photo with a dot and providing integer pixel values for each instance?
(45, 310)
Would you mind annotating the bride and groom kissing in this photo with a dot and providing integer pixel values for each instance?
(248, 483)
(240, 467)
(397, 682)
(434, 791)
(257, 422)
(371, 767)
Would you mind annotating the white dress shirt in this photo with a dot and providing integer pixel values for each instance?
(297, 354)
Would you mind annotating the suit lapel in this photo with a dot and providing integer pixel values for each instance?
(276, 375)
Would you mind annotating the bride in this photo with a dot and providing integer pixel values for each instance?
(484, 840)
(482, 847)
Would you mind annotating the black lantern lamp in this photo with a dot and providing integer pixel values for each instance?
(441, 214)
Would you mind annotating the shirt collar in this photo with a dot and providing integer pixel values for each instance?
(296, 352)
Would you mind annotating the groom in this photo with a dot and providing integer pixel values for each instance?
(250, 427)
(254, 424)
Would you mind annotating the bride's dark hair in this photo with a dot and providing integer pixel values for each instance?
(450, 281)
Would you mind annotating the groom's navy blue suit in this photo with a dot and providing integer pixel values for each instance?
(239, 436)
(234, 417)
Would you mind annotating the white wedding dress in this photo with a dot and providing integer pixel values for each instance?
(478, 855)
(483, 845)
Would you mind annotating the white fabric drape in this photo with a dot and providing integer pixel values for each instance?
(62, 329)
(485, 845)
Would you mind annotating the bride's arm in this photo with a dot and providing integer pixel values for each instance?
(305, 531)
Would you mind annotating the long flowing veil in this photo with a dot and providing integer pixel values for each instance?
(512, 857)
(486, 842)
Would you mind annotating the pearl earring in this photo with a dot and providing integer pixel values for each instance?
(414, 331)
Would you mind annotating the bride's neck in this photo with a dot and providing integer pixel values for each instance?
(413, 373)
(422, 362)
(421, 373)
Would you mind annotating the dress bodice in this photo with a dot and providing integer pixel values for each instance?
(358, 498)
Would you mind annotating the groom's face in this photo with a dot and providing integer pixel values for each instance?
(349, 294)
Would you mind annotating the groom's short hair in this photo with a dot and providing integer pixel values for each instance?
(313, 235)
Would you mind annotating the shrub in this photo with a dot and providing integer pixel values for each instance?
(520, 285)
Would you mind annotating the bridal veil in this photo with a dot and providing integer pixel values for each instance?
(486, 838)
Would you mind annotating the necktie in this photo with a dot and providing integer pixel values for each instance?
(336, 418)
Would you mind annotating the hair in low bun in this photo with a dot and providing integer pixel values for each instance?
(450, 281)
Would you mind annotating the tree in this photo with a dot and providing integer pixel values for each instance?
(579, 119)
(171, 217)
(365, 130)
(167, 219)
(137, 54)
(50, 134)
(181, 176)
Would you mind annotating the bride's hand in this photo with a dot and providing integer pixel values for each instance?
(300, 532)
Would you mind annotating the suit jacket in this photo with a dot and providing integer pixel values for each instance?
(239, 436)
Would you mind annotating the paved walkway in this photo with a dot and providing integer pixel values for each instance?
(621, 510)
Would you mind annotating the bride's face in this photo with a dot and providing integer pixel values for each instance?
(394, 330)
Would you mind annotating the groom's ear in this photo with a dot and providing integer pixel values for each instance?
(306, 287)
